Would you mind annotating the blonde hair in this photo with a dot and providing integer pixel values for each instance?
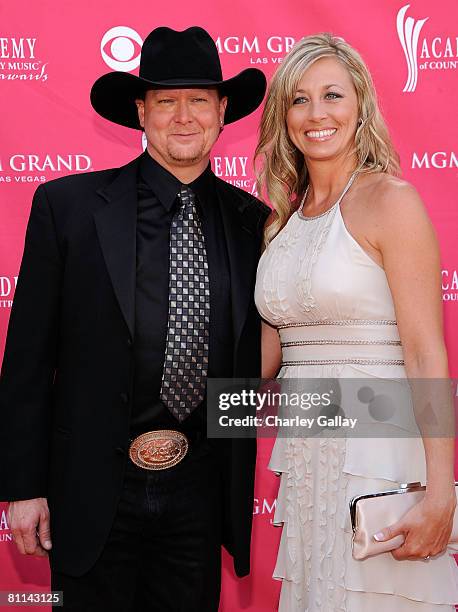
(283, 177)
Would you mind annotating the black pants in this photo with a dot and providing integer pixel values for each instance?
(164, 549)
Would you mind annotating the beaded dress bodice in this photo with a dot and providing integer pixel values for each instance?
(314, 270)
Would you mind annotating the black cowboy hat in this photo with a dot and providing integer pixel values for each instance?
(172, 59)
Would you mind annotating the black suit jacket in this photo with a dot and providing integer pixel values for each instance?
(65, 387)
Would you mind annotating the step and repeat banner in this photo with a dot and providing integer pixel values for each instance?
(52, 51)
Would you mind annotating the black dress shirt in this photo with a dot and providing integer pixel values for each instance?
(157, 201)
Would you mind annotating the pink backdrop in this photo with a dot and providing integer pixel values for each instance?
(52, 51)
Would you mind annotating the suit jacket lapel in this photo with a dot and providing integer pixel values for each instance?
(116, 224)
(242, 254)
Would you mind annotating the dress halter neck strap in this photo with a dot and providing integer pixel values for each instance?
(326, 212)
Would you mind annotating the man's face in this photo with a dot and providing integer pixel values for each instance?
(181, 125)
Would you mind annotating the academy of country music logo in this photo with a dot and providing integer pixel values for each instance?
(234, 170)
(431, 53)
(437, 159)
(7, 287)
(450, 285)
(19, 60)
(5, 534)
(120, 47)
(33, 168)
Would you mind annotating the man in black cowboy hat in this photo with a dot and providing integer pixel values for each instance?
(136, 285)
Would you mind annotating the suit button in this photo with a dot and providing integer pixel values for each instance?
(124, 398)
(129, 342)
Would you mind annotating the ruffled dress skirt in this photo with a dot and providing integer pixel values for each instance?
(315, 560)
(318, 478)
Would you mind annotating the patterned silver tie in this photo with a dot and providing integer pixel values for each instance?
(186, 354)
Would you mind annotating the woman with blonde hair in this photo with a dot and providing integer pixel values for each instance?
(349, 287)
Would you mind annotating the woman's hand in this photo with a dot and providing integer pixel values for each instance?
(426, 527)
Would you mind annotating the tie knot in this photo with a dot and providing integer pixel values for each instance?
(187, 204)
(186, 195)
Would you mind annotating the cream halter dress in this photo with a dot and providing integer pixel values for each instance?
(333, 309)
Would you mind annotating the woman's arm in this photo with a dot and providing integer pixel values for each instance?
(406, 239)
(270, 351)
(270, 340)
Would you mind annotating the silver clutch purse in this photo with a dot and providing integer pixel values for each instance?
(372, 512)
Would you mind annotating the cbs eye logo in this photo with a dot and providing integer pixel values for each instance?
(120, 48)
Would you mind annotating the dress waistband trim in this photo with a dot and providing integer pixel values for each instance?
(339, 322)
(368, 343)
(356, 361)
(341, 342)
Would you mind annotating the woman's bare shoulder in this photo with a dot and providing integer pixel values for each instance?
(388, 197)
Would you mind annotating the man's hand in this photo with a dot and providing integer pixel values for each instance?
(29, 523)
